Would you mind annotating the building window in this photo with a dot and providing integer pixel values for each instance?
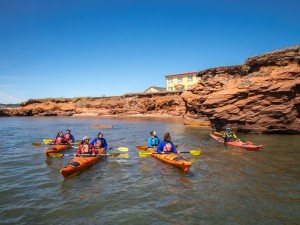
(170, 88)
(179, 79)
(199, 78)
(170, 80)
(190, 78)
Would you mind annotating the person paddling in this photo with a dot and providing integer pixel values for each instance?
(85, 147)
(69, 137)
(166, 146)
(228, 136)
(59, 139)
(153, 141)
(99, 141)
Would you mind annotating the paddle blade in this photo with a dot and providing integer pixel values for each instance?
(36, 143)
(122, 149)
(195, 152)
(145, 154)
(56, 155)
(47, 141)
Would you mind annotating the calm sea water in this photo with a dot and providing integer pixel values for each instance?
(225, 185)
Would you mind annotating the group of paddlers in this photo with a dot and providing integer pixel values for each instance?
(86, 145)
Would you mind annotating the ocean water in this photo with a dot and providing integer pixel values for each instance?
(224, 185)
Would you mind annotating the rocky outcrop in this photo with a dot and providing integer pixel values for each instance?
(131, 104)
(262, 95)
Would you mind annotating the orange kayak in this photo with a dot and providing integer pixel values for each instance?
(238, 143)
(173, 159)
(57, 149)
(79, 163)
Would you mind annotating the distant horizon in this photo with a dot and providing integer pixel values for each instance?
(76, 48)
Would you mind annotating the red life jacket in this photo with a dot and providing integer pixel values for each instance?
(67, 136)
(98, 144)
(167, 147)
(58, 140)
(85, 149)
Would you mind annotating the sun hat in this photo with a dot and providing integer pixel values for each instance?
(85, 138)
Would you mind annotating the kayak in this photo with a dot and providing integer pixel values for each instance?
(173, 159)
(77, 164)
(57, 149)
(238, 143)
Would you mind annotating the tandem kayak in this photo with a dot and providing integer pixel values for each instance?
(79, 163)
(173, 159)
(57, 149)
(238, 143)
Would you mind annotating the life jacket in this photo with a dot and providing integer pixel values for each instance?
(85, 149)
(98, 144)
(228, 135)
(167, 147)
(154, 141)
(58, 140)
(68, 136)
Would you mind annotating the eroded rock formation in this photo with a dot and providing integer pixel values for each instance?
(262, 95)
(150, 104)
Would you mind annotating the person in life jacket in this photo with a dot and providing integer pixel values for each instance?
(69, 137)
(153, 141)
(59, 139)
(166, 146)
(85, 147)
(228, 136)
(99, 141)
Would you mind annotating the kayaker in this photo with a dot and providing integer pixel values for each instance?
(59, 139)
(99, 141)
(85, 147)
(69, 137)
(166, 145)
(228, 136)
(153, 141)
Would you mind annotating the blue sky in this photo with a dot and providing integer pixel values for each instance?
(76, 48)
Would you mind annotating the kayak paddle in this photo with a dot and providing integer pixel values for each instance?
(59, 155)
(121, 149)
(40, 143)
(192, 152)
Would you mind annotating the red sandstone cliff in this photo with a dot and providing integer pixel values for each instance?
(262, 95)
(152, 103)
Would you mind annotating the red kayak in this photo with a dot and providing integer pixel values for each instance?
(238, 143)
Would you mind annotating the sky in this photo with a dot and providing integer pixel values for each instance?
(89, 48)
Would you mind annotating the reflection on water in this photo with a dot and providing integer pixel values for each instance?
(224, 185)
